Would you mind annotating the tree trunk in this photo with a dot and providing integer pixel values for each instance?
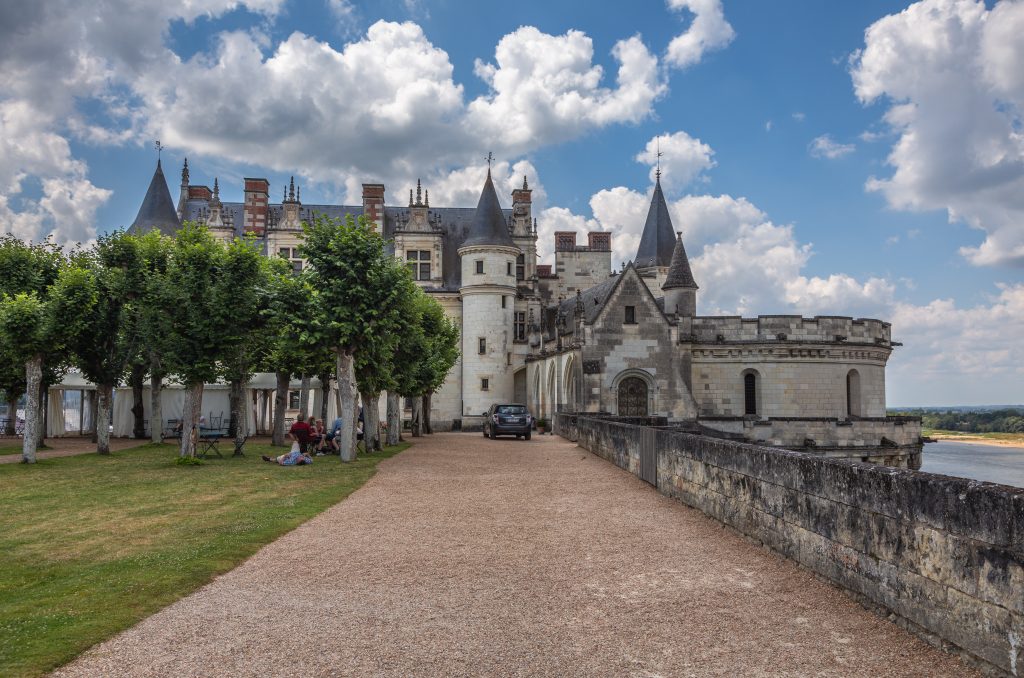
(12, 413)
(44, 402)
(104, 395)
(347, 404)
(92, 413)
(239, 414)
(190, 418)
(304, 397)
(33, 379)
(325, 393)
(371, 421)
(280, 405)
(394, 419)
(156, 410)
(236, 390)
(416, 425)
(426, 414)
(138, 379)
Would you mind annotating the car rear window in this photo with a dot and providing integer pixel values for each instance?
(511, 409)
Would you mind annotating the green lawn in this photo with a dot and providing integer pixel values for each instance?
(89, 545)
(10, 448)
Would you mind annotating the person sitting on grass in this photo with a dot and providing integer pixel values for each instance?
(296, 457)
(301, 432)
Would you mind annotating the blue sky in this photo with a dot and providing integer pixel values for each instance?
(833, 158)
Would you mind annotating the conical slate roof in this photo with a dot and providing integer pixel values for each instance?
(658, 238)
(488, 227)
(679, 273)
(157, 211)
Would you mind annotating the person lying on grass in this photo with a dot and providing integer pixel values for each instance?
(294, 458)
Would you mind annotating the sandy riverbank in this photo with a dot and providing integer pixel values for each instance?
(979, 440)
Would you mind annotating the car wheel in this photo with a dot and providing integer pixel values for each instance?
(527, 436)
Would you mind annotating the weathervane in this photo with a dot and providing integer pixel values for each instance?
(657, 172)
(159, 147)
(490, 157)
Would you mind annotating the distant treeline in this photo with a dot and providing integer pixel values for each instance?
(995, 421)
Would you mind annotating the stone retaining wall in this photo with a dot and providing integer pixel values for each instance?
(944, 555)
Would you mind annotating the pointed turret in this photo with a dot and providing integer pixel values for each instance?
(658, 239)
(488, 227)
(157, 210)
(680, 288)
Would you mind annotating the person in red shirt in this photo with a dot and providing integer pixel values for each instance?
(301, 432)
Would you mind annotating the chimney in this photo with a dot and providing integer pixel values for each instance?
(373, 205)
(257, 198)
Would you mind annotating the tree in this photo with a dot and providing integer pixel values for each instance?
(374, 362)
(106, 335)
(243, 357)
(427, 352)
(349, 268)
(200, 297)
(154, 324)
(442, 335)
(291, 309)
(36, 326)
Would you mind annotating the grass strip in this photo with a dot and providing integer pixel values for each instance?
(90, 544)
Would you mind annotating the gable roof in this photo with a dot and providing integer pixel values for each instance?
(679, 273)
(595, 299)
(157, 211)
(489, 226)
(658, 237)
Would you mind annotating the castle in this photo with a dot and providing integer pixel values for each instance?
(576, 337)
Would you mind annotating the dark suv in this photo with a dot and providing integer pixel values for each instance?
(508, 420)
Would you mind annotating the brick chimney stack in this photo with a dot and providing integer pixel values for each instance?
(373, 205)
(255, 208)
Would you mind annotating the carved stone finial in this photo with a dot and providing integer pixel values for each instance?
(216, 188)
(419, 193)
(184, 173)
(426, 198)
(525, 187)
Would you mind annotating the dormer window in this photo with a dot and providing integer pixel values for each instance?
(418, 262)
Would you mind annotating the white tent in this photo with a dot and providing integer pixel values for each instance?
(216, 406)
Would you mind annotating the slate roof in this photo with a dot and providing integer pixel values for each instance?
(679, 273)
(658, 239)
(157, 211)
(489, 226)
(454, 222)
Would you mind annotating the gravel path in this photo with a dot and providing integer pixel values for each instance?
(465, 556)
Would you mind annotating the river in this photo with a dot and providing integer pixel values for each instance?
(993, 463)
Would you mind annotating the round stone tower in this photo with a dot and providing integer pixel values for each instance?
(488, 260)
(680, 288)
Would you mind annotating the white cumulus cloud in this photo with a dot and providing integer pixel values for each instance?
(707, 31)
(950, 73)
(827, 147)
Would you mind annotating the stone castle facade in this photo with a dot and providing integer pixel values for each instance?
(576, 337)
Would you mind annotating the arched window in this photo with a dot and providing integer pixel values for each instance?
(750, 393)
(853, 393)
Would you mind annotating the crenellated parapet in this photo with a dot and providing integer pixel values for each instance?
(786, 328)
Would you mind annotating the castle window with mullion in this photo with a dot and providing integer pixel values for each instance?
(521, 267)
(418, 262)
